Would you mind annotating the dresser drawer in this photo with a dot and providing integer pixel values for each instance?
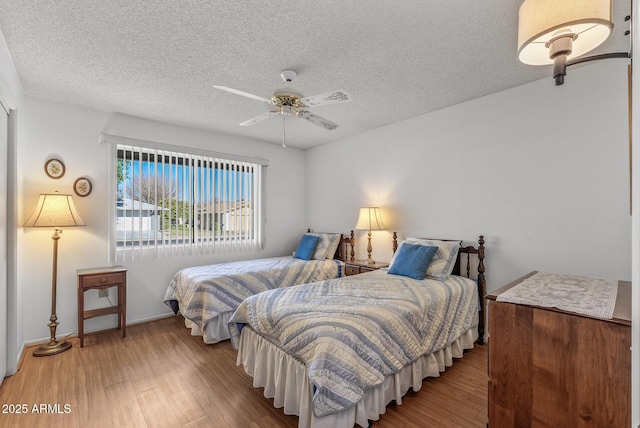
(352, 270)
(104, 279)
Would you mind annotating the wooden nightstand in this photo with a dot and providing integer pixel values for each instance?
(102, 279)
(359, 266)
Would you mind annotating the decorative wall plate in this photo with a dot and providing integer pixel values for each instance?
(54, 168)
(82, 186)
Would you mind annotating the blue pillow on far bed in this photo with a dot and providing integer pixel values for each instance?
(413, 260)
(307, 247)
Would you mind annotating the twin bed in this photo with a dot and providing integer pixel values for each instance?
(207, 296)
(336, 352)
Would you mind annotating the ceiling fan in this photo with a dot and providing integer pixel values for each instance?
(291, 103)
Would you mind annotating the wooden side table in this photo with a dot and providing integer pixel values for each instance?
(102, 279)
(359, 266)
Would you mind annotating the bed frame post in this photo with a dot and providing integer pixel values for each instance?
(482, 289)
(353, 246)
(395, 242)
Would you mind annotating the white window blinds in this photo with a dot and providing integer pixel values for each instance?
(169, 202)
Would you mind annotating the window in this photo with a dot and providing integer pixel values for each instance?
(169, 202)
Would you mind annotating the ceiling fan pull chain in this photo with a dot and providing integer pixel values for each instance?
(284, 119)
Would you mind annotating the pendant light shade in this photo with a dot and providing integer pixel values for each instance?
(582, 24)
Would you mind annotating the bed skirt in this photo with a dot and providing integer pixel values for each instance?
(284, 379)
(214, 331)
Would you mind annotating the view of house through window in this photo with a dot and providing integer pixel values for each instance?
(172, 202)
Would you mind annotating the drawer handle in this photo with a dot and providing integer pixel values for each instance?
(103, 280)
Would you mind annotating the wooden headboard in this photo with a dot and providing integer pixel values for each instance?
(464, 254)
(464, 267)
(346, 249)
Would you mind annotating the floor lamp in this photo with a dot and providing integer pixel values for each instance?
(370, 219)
(56, 211)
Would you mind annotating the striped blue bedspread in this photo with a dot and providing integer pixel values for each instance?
(353, 332)
(206, 292)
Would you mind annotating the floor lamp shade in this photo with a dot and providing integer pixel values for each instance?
(56, 211)
(370, 219)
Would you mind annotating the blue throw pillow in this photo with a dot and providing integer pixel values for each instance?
(307, 247)
(413, 260)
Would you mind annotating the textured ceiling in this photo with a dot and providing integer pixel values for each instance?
(160, 59)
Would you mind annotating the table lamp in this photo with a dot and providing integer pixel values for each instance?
(370, 219)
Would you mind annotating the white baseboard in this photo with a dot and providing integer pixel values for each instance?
(67, 335)
(153, 318)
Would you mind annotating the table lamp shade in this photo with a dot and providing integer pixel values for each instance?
(370, 218)
(55, 210)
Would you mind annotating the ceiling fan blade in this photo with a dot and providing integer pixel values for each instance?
(244, 94)
(259, 118)
(333, 97)
(318, 120)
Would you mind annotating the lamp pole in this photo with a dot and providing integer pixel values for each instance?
(53, 347)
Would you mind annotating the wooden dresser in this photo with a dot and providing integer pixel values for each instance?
(551, 368)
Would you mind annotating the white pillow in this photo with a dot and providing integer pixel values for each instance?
(323, 245)
(327, 245)
(333, 245)
(443, 260)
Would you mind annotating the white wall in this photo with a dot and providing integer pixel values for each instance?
(11, 94)
(71, 133)
(541, 171)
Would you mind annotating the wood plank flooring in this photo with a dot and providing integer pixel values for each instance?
(160, 376)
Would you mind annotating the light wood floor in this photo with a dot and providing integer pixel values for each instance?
(160, 376)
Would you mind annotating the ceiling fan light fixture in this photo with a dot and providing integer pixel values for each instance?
(288, 111)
